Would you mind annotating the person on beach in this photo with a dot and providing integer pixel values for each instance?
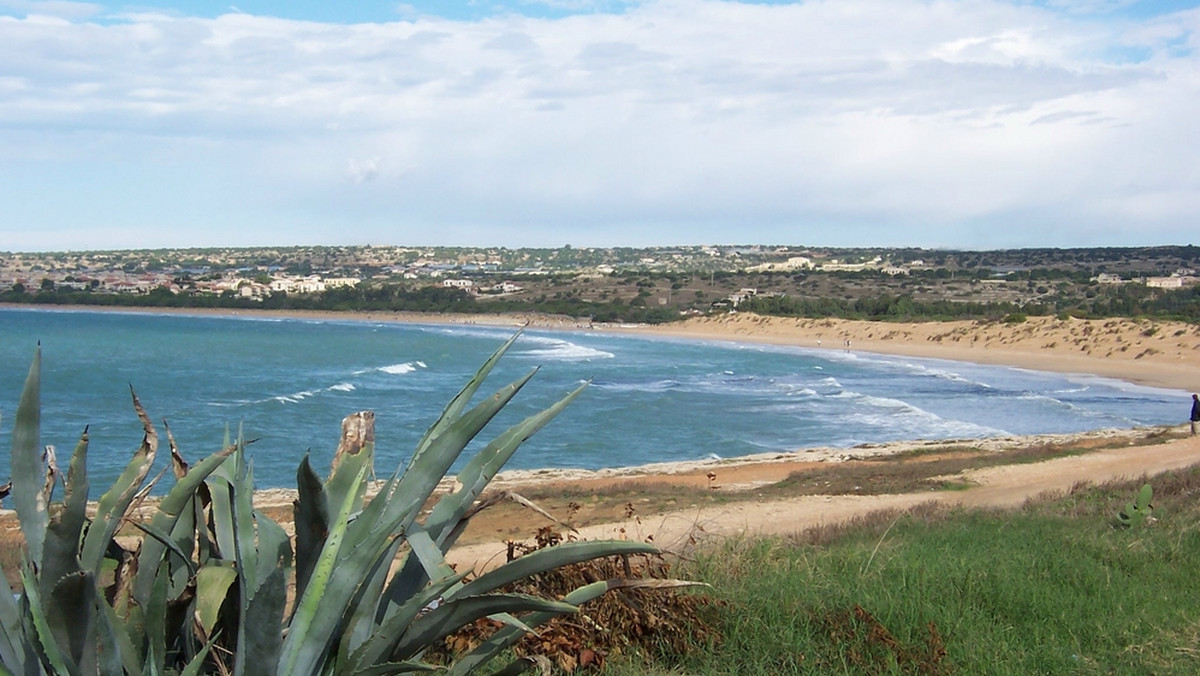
(1195, 412)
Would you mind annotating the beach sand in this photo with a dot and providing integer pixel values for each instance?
(1147, 352)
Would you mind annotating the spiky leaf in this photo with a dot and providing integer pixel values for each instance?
(28, 468)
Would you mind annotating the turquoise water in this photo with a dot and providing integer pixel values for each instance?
(288, 383)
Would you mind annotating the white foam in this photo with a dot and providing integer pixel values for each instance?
(343, 387)
(908, 420)
(295, 397)
(399, 369)
(649, 386)
(562, 350)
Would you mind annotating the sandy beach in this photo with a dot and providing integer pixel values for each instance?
(1147, 352)
(1151, 353)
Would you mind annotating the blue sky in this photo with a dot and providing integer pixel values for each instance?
(973, 124)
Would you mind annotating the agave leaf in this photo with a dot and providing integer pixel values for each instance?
(360, 622)
(261, 580)
(490, 501)
(108, 651)
(212, 587)
(450, 514)
(312, 627)
(373, 538)
(169, 509)
(115, 502)
(394, 509)
(197, 663)
(274, 548)
(482, 468)
(311, 515)
(388, 632)
(71, 616)
(167, 540)
(423, 476)
(259, 650)
(115, 641)
(61, 546)
(28, 468)
(49, 649)
(220, 487)
(247, 551)
(179, 466)
(221, 518)
(550, 558)
(156, 624)
(456, 406)
(14, 648)
(452, 615)
(431, 558)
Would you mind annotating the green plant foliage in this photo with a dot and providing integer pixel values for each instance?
(1139, 509)
(206, 590)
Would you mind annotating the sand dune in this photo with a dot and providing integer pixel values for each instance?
(1148, 352)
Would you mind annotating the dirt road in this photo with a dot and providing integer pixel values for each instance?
(1002, 486)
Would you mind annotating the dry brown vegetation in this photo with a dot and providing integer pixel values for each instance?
(581, 503)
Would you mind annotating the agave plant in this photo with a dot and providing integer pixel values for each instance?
(214, 586)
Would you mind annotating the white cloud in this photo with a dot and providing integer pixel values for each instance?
(847, 122)
(362, 171)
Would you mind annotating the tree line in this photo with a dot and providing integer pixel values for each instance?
(1127, 300)
(362, 298)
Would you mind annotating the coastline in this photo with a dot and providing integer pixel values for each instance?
(1153, 353)
(1164, 355)
(1161, 354)
(1157, 354)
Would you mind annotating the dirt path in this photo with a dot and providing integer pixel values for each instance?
(1003, 486)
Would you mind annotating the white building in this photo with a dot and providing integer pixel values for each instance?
(1165, 282)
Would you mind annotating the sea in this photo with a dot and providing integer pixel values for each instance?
(285, 384)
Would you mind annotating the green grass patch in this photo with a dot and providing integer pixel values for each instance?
(1055, 588)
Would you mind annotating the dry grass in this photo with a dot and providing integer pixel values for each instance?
(579, 507)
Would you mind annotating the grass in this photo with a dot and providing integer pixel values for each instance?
(1054, 588)
(912, 471)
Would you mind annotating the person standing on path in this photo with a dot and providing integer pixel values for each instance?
(1195, 412)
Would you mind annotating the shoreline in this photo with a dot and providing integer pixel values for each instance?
(1167, 358)
(1042, 343)
(1161, 354)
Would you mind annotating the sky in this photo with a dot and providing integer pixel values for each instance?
(969, 124)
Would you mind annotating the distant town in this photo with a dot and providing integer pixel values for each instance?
(628, 284)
